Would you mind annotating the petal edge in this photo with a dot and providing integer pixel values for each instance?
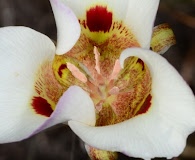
(171, 116)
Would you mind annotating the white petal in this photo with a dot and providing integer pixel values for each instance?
(138, 15)
(22, 51)
(68, 27)
(163, 130)
(140, 18)
(75, 104)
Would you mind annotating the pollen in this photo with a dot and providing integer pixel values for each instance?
(97, 60)
(77, 73)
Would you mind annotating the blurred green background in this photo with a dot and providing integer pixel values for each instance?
(59, 142)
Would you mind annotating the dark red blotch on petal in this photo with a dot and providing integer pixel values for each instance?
(99, 19)
(63, 66)
(41, 106)
(141, 62)
(146, 105)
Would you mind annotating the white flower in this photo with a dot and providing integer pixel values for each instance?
(101, 79)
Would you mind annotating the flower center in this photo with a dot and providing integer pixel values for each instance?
(119, 96)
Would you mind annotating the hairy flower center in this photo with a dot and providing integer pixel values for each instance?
(98, 86)
(119, 96)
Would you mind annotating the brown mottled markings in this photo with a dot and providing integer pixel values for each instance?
(48, 90)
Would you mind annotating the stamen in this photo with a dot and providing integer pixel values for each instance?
(76, 72)
(116, 70)
(97, 59)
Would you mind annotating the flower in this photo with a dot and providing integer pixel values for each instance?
(101, 79)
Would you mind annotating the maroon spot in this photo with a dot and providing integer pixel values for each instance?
(146, 105)
(120, 26)
(99, 19)
(113, 27)
(141, 62)
(41, 106)
(83, 23)
(63, 66)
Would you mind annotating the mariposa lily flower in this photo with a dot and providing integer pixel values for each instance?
(101, 79)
